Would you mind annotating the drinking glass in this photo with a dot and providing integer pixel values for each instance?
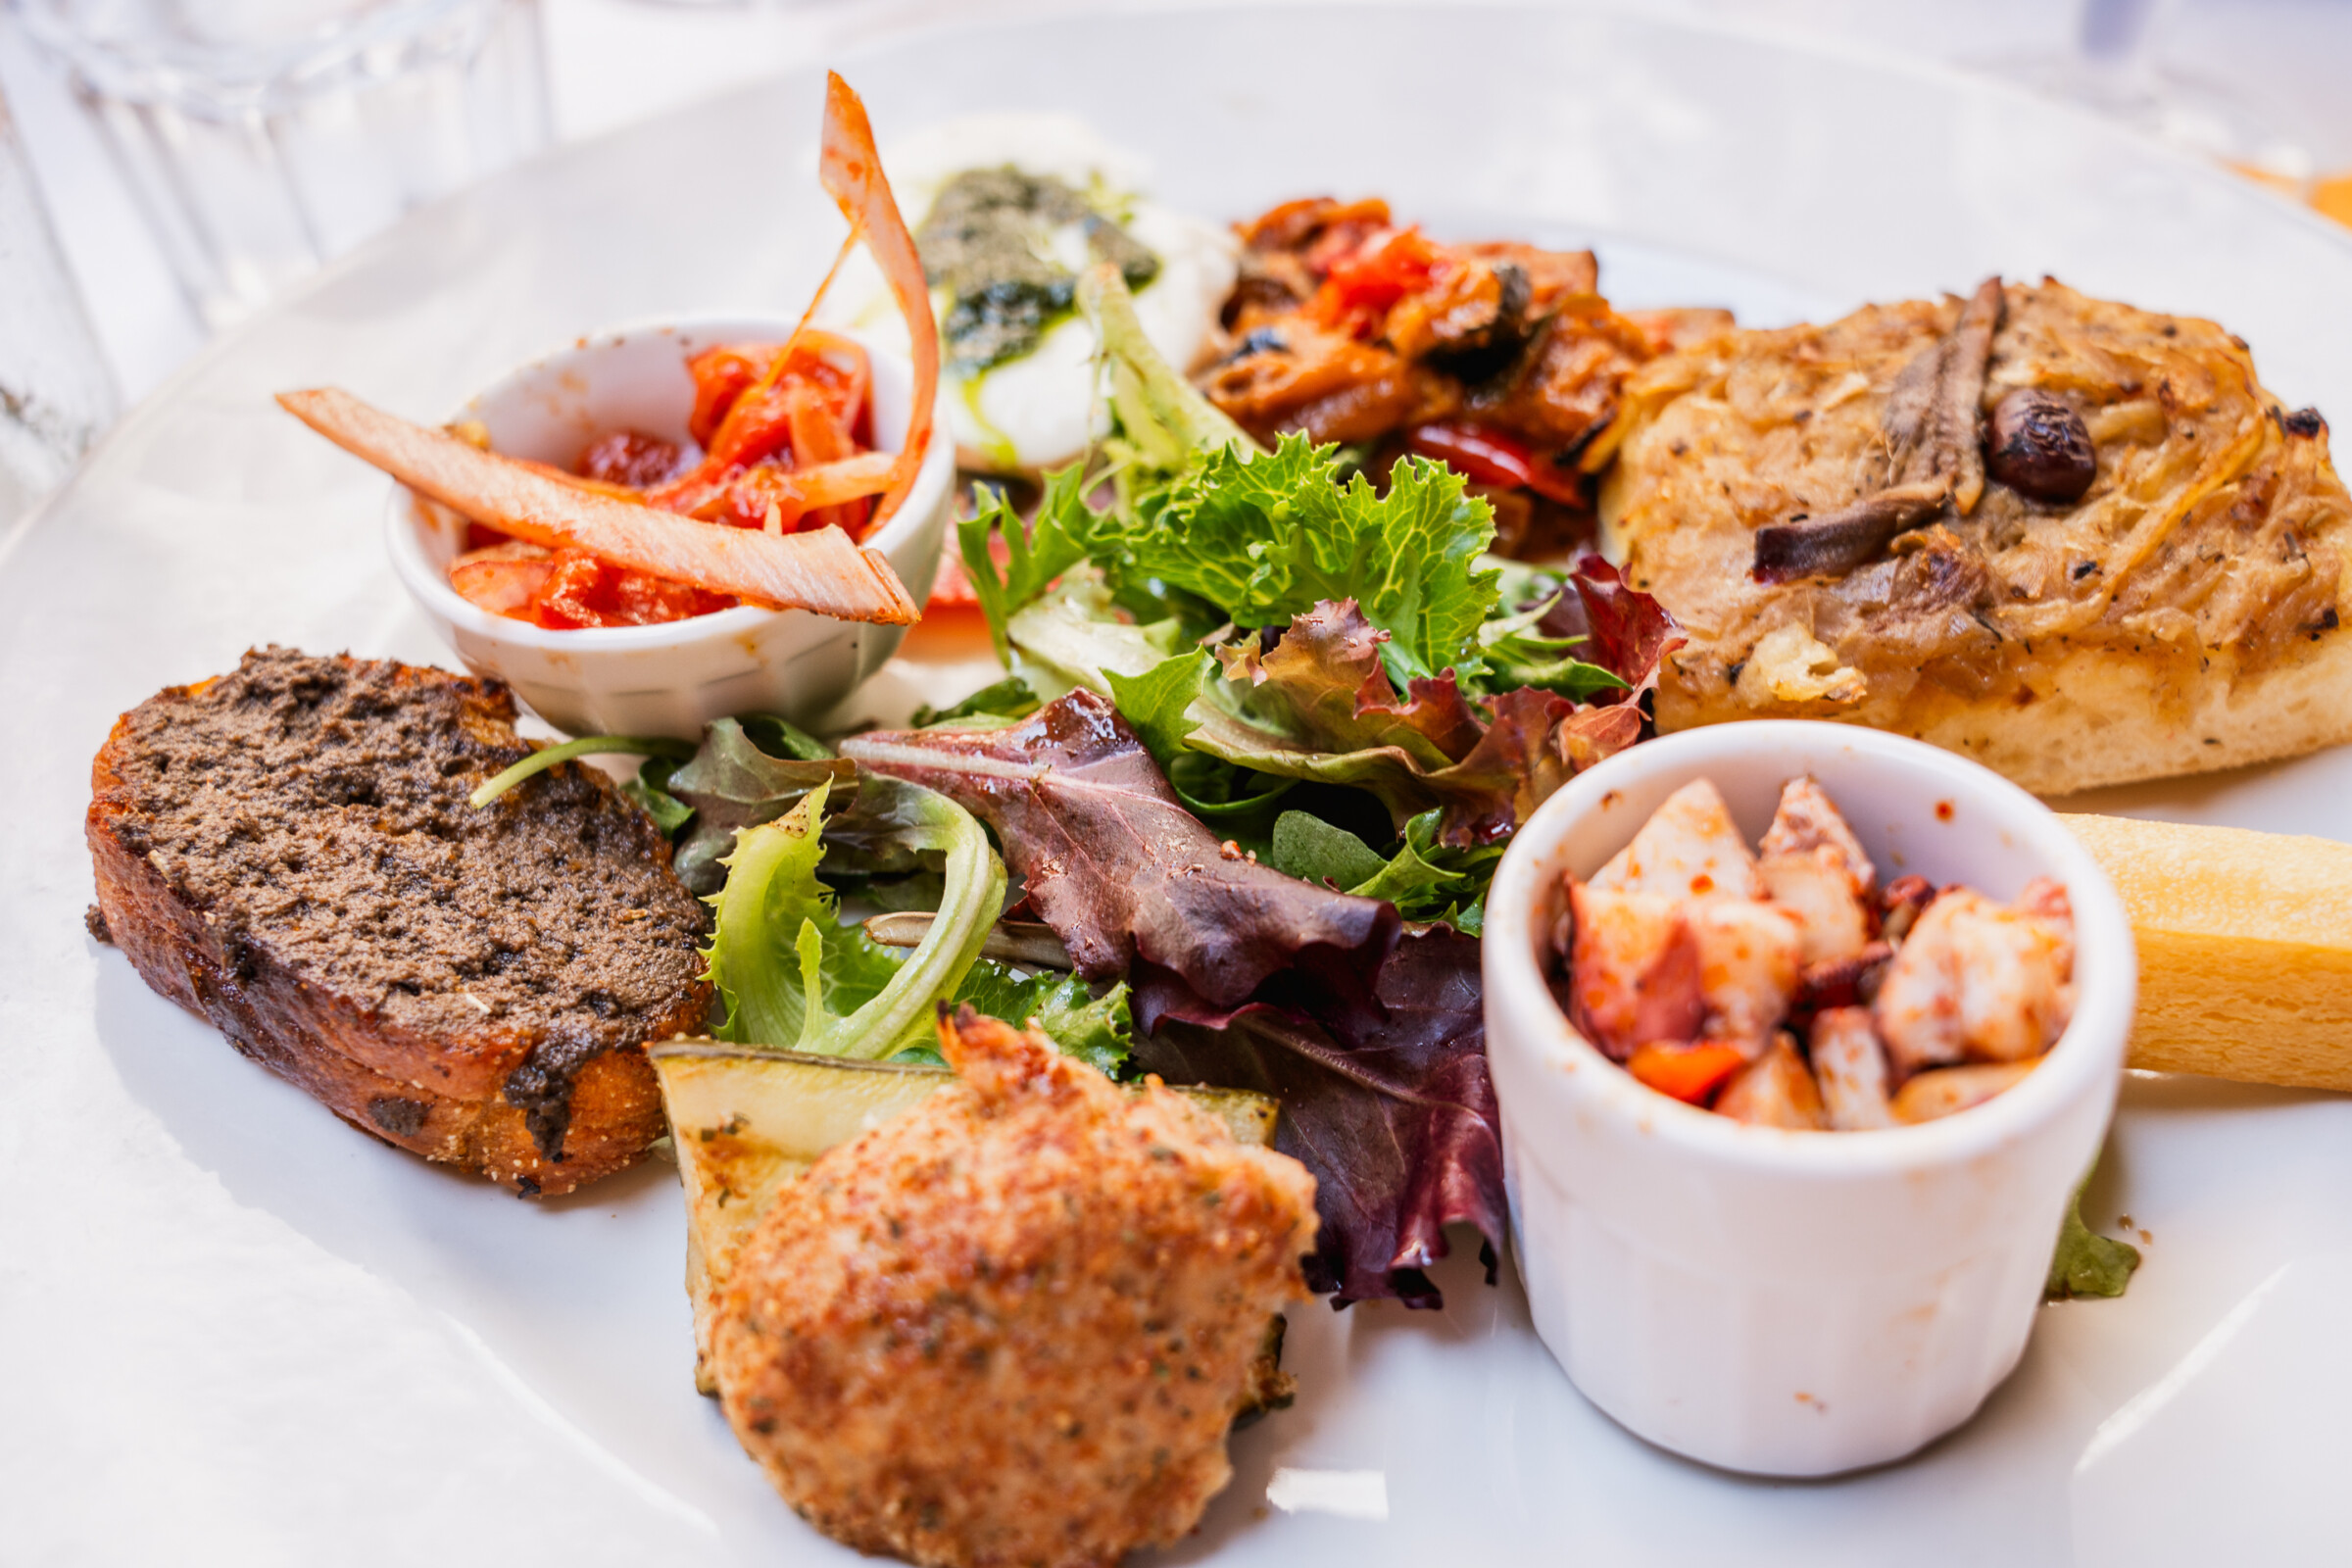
(56, 395)
(265, 136)
(2115, 68)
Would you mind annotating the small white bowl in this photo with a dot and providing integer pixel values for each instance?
(1791, 1303)
(667, 679)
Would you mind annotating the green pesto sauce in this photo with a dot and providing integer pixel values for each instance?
(986, 244)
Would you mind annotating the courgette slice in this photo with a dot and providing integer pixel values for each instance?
(748, 1119)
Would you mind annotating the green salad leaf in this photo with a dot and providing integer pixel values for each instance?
(1155, 702)
(1518, 653)
(1425, 879)
(1320, 708)
(1270, 536)
(1162, 415)
(1097, 1030)
(1010, 698)
(650, 789)
(1074, 636)
(1315, 850)
(1050, 544)
(793, 976)
(746, 771)
(546, 757)
(2087, 1263)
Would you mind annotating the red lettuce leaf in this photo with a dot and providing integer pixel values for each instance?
(1123, 874)
(1323, 679)
(1386, 1098)
(1375, 1045)
(1318, 706)
(1627, 631)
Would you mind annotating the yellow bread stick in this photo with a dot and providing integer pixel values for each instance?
(2245, 949)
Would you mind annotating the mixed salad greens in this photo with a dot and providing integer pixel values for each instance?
(1265, 730)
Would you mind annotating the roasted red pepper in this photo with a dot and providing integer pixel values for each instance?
(1689, 1073)
(1488, 456)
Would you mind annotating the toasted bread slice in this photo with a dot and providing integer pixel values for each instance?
(288, 852)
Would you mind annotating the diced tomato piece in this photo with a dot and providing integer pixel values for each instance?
(747, 497)
(853, 517)
(838, 364)
(1689, 1073)
(503, 578)
(952, 589)
(1385, 268)
(820, 434)
(628, 457)
(758, 425)
(582, 591)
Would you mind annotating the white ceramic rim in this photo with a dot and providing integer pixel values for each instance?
(431, 585)
(2106, 967)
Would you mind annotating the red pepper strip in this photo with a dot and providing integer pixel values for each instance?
(821, 572)
(1689, 1073)
(850, 171)
(1491, 456)
(1475, 452)
(721, 377)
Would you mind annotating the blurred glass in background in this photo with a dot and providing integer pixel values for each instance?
(265, 136)
(55, 394)
(2114, 68)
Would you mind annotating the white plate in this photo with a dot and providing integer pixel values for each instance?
(237, 1330)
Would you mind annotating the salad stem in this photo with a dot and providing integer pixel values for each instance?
(547, 756)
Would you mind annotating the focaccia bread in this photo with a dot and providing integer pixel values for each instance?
(2184, 613)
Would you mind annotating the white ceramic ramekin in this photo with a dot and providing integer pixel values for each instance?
(1791, 1303)
(668, 679)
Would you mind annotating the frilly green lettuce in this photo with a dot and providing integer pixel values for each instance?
(793, 976)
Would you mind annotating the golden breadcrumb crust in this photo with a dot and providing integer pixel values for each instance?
(1012, 1324)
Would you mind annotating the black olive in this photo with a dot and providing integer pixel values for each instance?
(2038, 446)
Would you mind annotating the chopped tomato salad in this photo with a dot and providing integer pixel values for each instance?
(782, 433)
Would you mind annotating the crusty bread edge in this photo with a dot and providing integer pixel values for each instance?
(616, 1099)
(2102, 716)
